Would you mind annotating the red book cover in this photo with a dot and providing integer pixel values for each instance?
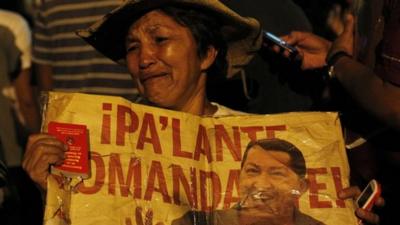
(75, 136)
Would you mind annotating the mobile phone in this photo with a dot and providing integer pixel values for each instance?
(369, 195)
(271, 38)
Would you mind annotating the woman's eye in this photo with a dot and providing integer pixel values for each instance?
(132, 48)
(161, 39)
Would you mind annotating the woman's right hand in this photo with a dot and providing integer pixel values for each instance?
(42, 151)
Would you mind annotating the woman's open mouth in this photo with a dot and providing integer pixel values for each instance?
(147, 77)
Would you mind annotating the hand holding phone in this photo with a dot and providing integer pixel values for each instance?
(270, 38)
(365, 201)
(369, 195)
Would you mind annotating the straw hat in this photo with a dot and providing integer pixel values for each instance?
(242, 34)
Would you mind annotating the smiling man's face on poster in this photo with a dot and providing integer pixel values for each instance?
(269, 188)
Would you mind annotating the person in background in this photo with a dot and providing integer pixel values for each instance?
(19, 115)
(373, 85)
(64, 62)
(377, 95)
(16, 71)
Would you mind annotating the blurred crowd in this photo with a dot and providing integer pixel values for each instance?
(40, 52)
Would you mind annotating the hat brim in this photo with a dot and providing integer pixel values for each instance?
(242, 34)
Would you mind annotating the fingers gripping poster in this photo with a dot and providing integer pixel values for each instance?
(151, 166)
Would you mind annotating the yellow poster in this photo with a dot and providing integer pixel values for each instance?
(150, 166)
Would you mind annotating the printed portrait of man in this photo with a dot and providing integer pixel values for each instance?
(272, 179)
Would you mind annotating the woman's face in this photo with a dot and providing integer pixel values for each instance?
(162, 58)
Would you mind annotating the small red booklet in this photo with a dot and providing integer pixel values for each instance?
(75, 136)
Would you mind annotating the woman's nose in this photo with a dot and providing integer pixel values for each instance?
(146, 56)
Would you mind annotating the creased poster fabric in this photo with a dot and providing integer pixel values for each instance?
(157, 166)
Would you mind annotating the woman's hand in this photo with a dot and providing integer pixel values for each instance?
(42, 150)
(366, 216)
